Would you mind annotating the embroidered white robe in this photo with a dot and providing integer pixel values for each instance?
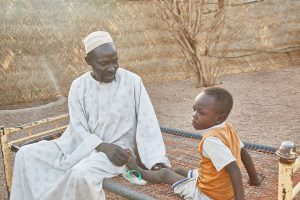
(69, 167)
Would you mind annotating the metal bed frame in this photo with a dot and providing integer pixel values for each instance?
(289, 162)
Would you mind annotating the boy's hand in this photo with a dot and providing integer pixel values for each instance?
(256, 182)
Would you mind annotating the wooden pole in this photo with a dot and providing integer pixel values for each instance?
(5, 150)
(287, 156)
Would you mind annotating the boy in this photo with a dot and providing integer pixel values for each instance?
(221, 153)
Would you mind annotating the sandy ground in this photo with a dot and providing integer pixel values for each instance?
(266, 107)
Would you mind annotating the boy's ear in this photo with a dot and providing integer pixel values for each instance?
(221, 118)
(87, 60)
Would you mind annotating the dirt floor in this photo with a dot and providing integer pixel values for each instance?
(266, 107)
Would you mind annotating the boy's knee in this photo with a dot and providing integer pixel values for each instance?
(164, 173)
(181, 171)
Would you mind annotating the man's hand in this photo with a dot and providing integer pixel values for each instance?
(158, 166)
(257, 181)
(117, 155)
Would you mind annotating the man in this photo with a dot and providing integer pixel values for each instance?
(111, 115)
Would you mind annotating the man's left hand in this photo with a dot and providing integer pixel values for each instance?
(158, 166)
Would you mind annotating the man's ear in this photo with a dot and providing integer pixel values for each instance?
(221, 118)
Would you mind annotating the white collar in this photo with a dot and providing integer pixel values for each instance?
(216, 126)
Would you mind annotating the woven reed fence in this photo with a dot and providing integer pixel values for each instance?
(41, 49)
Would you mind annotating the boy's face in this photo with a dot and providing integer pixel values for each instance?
(205, 114)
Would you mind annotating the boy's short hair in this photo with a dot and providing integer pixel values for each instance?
(224, 100)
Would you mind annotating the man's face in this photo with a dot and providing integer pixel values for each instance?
(204, 115)
(104, 62)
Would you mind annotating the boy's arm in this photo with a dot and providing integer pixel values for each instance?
(164, 175)
(236, 180)
(255, 179)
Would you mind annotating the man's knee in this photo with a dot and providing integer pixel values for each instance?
(22, 152)
(79, 172)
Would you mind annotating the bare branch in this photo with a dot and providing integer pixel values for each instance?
(184, 18)
(189, 16)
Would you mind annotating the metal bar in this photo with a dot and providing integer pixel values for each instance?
(296, 165)
(37, 123)
(14, 148)
(287, 157)
(5, 150)
(248, 145)
(37, 135)
(285, 190)
(47, 137)
(285, 184)
(123, 191)
(295, 190)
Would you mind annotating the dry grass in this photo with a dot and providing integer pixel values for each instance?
(49, 34)
(45, 41)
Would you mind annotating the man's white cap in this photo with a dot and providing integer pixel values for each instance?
(96, 39)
